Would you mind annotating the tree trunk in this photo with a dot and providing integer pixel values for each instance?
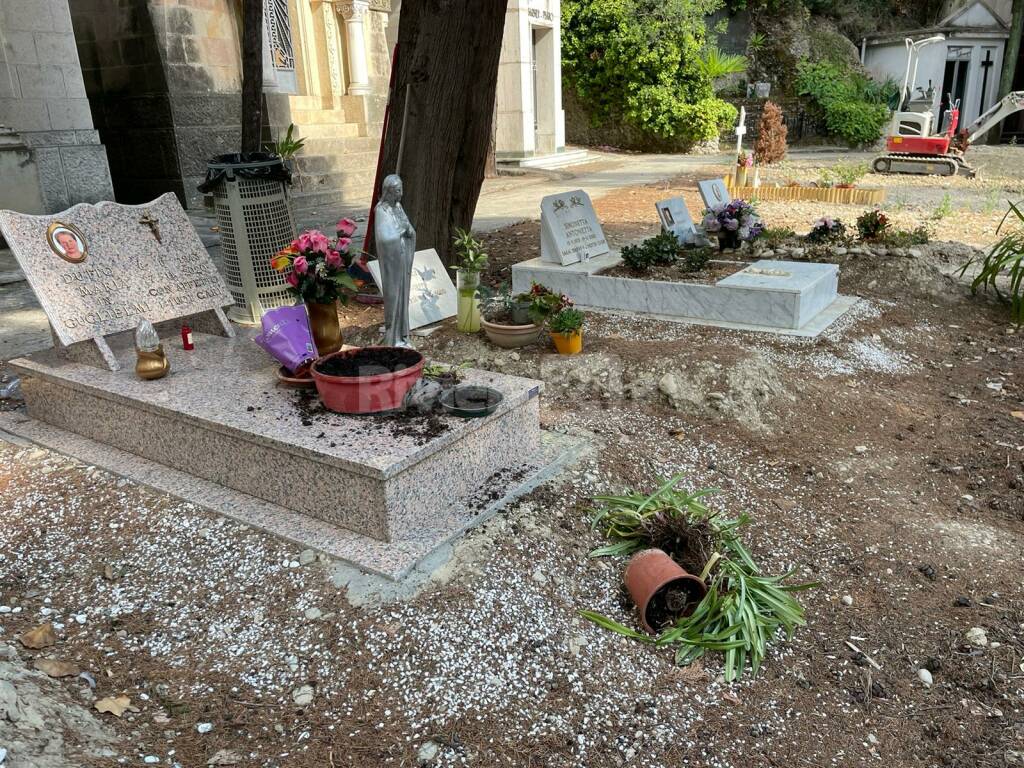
(252, 74)
(1011, 54)
(448, 52)
(491, 165)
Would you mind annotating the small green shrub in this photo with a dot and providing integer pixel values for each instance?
(855, 107)
(905, 238)
(857, 122)
(661, 249)
(773, 237)
(944, 209)
(695, 259)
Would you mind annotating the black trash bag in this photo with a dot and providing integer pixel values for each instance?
(244, 165)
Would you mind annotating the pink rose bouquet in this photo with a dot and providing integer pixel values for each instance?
(316, 268)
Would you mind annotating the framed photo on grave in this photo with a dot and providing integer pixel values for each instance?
(569, 230)
(675, 218)
(713, 192)
(99, 269)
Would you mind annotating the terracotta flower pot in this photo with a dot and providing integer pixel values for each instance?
(323, 321)
(568, 343)
(661, 589)
(511, 336)
(369, 393)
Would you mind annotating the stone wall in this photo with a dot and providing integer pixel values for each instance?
(43, 98)
(164, 81)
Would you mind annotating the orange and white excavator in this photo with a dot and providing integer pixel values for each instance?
(911, 145)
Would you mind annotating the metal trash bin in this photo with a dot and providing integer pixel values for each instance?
(255, 220)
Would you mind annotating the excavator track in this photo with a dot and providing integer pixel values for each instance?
(924, 165)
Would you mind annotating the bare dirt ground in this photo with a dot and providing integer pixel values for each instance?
(883, 459)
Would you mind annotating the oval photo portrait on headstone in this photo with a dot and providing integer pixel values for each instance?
(67, 241)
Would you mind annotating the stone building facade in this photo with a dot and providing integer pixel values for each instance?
(50, 152)
(158, 82)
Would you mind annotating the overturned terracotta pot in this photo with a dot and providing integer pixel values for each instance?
(662, 591)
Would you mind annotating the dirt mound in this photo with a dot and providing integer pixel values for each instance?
(41, 727)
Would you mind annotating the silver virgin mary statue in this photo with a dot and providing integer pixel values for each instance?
(396, 245)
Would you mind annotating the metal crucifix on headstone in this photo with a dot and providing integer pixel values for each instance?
(153, 224)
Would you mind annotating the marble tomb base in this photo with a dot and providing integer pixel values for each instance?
(375, 490)
(798, 298)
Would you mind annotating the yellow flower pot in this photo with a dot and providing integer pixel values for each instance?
(568, 343)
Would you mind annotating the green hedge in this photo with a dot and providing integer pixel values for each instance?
(855, 107)
(638, 61)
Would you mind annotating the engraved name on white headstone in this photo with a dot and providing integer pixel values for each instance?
(569, 230)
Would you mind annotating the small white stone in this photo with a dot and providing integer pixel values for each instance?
(861, 449)
(872, 739)
(306, 556)
(847, 600)
(976, 636)
(204, 727)
(293, 564)
(313, 613)
(427, 753)
(151, 759)
(925, 677)
(5, 609)
(303, 695)
(539, 577)
(80, 618)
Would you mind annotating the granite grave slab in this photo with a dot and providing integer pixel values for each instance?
(569, 230)
(432, 296)
(98, 270)
(220, 416)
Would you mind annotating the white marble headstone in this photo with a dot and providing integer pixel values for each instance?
(100, 269)
(569, 230)
(432, 296)
(713, 192)
(675, 218)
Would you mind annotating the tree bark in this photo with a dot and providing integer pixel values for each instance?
(491, 164)
(1012, 51)
(448, 51)
(252, 74)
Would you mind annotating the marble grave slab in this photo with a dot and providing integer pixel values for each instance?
(432, 296)
(569, 229)
(713, 192)
(675, 218)
(98, 270)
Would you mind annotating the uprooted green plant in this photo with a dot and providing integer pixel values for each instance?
(743, 609)
(1006, 256)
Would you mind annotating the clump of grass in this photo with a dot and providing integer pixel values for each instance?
(944, 209)
(743, 609)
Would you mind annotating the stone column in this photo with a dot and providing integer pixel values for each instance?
(353, 12)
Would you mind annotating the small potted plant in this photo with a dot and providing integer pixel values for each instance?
(317, 270)
(732, 223)
(566, 329)
(502, 328)
(872, 225)
(472, 261)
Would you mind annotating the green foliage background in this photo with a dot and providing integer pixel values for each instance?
(855, 107)
(638, 61)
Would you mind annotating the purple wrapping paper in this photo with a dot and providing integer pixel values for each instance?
(287, 337)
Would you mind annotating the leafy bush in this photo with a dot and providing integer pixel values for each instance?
(857, 122)
(872, 224)
(854, 106)
(661, 249)
(773, 237)
(1006, 256)
(842, 173)
(640, 62)
(905, 238)
(695, 259)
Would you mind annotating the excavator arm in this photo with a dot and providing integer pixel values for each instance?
(1012, 102)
